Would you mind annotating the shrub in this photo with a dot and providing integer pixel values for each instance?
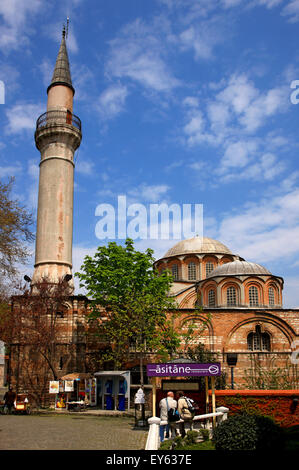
(166, 445)
(205, 434)
(191, 437)
(248, 432)
(269, 434)
(236, 433)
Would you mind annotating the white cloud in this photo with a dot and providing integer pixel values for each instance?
(196, 39)
(191, 101)
(291, 292)
(112, 101)
(16, 15)
(227, 120)
(22, 117)
(292, 11)
(237, 154)
(195, 126)
(32, 188)
(137, 54)
(54, 31)
(79, 253)
(149, 193)
(266, 3)
(46, 68)
(85, 167)
(264, 231)
(10, 170)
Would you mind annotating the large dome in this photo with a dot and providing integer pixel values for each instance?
(197, 245)
(238, 268)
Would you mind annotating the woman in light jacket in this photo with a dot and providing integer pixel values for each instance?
(185, 414)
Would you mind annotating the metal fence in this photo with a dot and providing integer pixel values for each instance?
(58, 117)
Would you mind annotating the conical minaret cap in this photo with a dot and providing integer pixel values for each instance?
(62, 74)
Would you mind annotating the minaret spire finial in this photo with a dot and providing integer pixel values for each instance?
(62, 73)
(65, 29)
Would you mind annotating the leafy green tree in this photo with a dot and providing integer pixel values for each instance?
(130, 302)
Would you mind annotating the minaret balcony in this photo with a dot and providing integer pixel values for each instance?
(58, 126)
(57, 117)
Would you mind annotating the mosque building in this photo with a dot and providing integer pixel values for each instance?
(243, 299)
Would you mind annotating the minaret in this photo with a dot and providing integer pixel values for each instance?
(57, 136)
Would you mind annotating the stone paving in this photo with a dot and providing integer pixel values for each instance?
(73, 431)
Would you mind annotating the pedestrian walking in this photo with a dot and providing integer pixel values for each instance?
(9, 399)
(186, 412)
(165, 405)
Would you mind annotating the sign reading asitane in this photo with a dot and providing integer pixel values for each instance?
(183, 370)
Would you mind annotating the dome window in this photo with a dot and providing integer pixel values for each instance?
(209, 268)
(175, 272)
(253, 296)
(231, 296)
(271, 296)
(211, 298)
(192, 271)
(258, 341)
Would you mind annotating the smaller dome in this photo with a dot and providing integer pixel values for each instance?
(238, 268)
(197, 245)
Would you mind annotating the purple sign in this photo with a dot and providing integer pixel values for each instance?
(183, 370)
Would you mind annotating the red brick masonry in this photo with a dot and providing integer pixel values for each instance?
(281, 405)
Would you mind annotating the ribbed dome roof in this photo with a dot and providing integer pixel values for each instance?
(197, 245)
(239, 268)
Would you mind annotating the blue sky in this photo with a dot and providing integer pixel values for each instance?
(181, 101)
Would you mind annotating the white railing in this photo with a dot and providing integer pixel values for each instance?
(153, 438)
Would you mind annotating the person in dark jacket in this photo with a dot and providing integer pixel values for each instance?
(9, 399)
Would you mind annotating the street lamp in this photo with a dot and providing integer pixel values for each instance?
(232, 359)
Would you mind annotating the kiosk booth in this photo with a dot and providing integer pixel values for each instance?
(113, 390)
(74, 391)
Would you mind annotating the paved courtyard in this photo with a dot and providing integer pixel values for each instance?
(69, 432)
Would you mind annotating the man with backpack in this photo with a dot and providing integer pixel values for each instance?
(186, 412)
(167, 407)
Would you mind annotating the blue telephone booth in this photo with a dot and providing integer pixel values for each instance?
(113, 390)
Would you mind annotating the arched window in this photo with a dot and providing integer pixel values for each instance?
(209, 267)
(175, 272)
(258, 341)
(231, 296)
(211, 298)
(192, 271)
(253, 296)
(271, 296)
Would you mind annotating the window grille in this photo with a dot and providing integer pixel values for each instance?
(258, 341)
(209, 267)
(175, 272)
(211, 298)
(271, 296)
(231, 296)
(253, 296)
(192, 271)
